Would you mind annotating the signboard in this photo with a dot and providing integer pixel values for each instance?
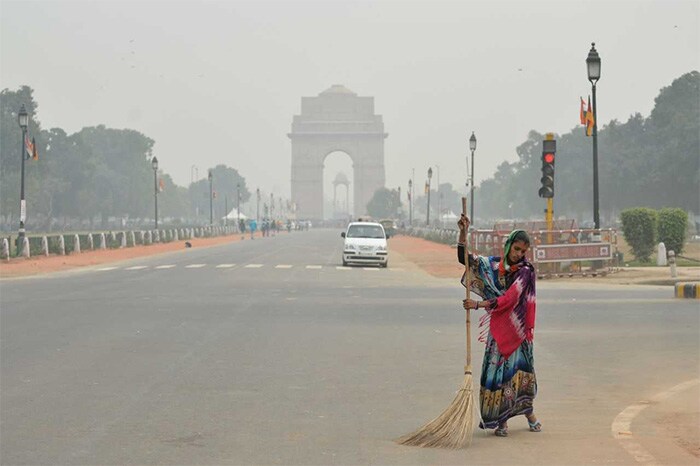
(572, 252)
(22, 210)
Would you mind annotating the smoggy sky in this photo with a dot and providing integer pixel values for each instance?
(219, 82)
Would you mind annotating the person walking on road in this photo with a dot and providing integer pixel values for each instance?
(507, 285)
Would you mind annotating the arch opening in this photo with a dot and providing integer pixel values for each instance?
(338, 186)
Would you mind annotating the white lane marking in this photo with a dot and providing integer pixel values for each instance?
(283, 266)
(225, 266)
(369, 268)
(169, 266)
(253, 266)
(315, 267)
(104, 269)
(136, 267)
(343, 268)
(195, 266)
(621, 426)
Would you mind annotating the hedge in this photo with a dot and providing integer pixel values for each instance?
(639, 228)
(672, 226)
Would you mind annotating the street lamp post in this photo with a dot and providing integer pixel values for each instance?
(257, 208)
(410, 202)
(23, 120)
(211, 198)
(593, 65)
(472, 148)
(427, 218)
(398, 209)
(437, 191)
(154, 164)
(238, 203)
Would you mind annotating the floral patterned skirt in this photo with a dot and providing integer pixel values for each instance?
(508, 387)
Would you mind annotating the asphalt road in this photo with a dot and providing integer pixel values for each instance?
(267, 352)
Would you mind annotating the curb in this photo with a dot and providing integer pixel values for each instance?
(688, 290)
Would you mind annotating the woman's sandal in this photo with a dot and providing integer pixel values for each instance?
(535, 426)
(501, 432)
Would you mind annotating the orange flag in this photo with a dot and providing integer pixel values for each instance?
(590, 121)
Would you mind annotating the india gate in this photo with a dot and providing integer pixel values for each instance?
(336, 120)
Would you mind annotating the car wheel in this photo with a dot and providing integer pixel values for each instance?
(345, 264)
(384, 265)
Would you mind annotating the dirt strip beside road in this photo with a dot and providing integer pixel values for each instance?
(20, 267)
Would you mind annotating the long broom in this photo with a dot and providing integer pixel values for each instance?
(455, 426)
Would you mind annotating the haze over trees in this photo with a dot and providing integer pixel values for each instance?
(651, 162)
(100, 173)
(85, 178)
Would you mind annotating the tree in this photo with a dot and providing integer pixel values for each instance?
(384, 204)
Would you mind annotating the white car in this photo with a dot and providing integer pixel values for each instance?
(365, 243)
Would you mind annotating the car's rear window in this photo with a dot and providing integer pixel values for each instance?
(365, 231)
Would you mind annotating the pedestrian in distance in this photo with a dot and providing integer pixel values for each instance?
(507, 287)
(253, 227)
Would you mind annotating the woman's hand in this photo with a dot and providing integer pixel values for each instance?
(469, 304)
(463, 223)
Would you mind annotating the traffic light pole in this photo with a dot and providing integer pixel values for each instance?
(550, 219)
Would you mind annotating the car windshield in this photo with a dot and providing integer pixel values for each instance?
(365, 231)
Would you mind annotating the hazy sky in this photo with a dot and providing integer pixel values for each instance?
(219, 82)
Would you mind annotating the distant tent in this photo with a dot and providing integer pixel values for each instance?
(233, 215)
(449, 216)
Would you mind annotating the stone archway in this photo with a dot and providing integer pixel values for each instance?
(336, 120)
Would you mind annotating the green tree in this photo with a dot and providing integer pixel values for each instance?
(384, 204)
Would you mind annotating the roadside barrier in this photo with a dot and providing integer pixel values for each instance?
(688, 290)
(74, 243)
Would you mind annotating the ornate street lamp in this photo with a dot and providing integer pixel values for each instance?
(257, 208)
(238, 203)
(154, 164)
(410, 202)
(430, 175)
(23, 120)
(472, 148)
(593, 65)
(211, 198)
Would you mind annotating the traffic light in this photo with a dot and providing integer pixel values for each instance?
(549, 150)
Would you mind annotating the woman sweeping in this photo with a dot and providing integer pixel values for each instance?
(508, 383)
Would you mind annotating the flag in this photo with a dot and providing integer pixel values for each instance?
(161, 185)
(589, 118)
(582, 115)
(426, 187)
(35, 154)
(28, 147)
(409, 195)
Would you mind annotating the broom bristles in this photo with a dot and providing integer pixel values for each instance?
(451, 429)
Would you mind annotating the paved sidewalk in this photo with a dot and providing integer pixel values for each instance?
(440, 260)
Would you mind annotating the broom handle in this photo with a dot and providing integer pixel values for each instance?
(468, 366)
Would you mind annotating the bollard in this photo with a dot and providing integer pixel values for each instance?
(132, 238)
(103, 241)
(6, 249)
(76, 244)
(61, 245)
(45, 246)
(672, 263)
(661, 255)
(91, 242)
(25, 247)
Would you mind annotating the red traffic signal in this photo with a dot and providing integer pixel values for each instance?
(549, 149)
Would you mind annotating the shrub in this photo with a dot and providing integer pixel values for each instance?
(672, 225)
(639, 228)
